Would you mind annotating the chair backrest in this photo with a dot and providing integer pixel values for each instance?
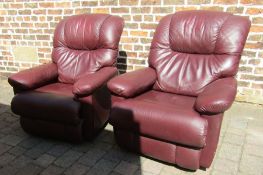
(191, 49)
(85, 43)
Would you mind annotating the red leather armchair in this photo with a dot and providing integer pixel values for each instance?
(68, 98)
(172, 110)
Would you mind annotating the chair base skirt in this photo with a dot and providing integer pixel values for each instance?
(71, 133)
(182, 156)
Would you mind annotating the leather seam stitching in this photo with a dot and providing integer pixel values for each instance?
(220, 30)
(83, 43)
(169, 33)
(101, 27)
(64, 36)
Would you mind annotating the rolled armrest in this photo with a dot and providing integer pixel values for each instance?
(34, 77)
(217, 97)
(89, 83)
(132, 83)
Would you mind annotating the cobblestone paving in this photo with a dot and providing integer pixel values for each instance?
(239, 152)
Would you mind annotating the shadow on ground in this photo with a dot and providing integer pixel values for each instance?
(21, 153)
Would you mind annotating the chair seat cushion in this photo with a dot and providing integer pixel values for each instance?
(58, 89)
(53, 102)
(163, 116)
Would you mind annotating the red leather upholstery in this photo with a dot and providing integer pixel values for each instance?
(129, 85)
(174, 112)
(183, 156)
(164, 111)
(25, 80)
(85, 43)
(88, 83)
(57, 89)
(68, 99)
(217, 97)
(53, 107)
(194, 48)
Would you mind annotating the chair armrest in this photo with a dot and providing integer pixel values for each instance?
(89, 83)
(132, 83)
(217, 97)
(34, 77)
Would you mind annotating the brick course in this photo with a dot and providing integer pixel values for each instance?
(32, 23)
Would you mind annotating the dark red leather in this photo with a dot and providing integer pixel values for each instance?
(98, 105)
(53, 107)
(191, 49)
(129, 85)
(153, 115)
(87, 84)
(34, 77)
(213, 133)
(85, 43)
(167, 99)
(68, 99)
(217, 97)
(57, 89)
(176, 154)
(175, 114)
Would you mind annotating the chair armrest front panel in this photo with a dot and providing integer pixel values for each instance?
(217, 97)
(132, 83)
(89, 83)
(33, 78)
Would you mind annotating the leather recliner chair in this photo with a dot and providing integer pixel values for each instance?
(173, 110)
(68, 98)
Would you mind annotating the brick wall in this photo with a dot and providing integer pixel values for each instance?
(26, 31)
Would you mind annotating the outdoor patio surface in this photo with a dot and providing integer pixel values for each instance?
(240, 149)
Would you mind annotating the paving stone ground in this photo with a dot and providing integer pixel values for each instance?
(240, 149)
